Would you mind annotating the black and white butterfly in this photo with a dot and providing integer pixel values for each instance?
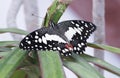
(66, 37)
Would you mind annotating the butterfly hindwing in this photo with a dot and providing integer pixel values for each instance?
(77, 32)
(78, 44)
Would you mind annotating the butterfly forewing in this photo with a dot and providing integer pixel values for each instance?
(42, 39)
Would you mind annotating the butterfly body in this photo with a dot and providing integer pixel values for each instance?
(65, 37)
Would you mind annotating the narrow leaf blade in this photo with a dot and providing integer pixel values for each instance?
(105, 47)
(102, 64)
(8, 43)
(82, 68)
(51, 65)
(10, 63)
(13, 30)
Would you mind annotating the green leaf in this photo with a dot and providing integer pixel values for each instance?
(80, 70)
(10, 63)
(102, 64)
(4, 49)
(8, 43)
(18, 74)
(105, 47)
(81, 67)
(51, 65)
(3, 55)
(32, 71)
(13, 30)
(55, 11)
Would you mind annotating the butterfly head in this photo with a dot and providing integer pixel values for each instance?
(51, 23)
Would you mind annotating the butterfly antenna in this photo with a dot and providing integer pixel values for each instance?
(37, 16)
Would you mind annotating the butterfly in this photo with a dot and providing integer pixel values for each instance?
(65, 37)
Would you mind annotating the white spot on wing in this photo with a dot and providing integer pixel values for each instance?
(86, 25)
(69, 34)
(36, 37)
(77, 25)
(40, 40)
(44, 40)
(66, 50)
(91, 24)
(21, 44)
(79, 45)
(50, 45)
(29, 42)
(26, 38)
(54, 38)
(63, 51)
(77, 30)
(36, 41)
(36, 45)
(78, 48)
(54, 48)
(81, 37)
(32, 47)
(24, 47)
(80, 29)
(86, 34)
(87, 31)
(74, 48)
(36, 33)
(72, 22)
(82, 44)
(77, 52)
(40, 46)
(82, 21)
(66, 54)
(70, 54)
(58, 48)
